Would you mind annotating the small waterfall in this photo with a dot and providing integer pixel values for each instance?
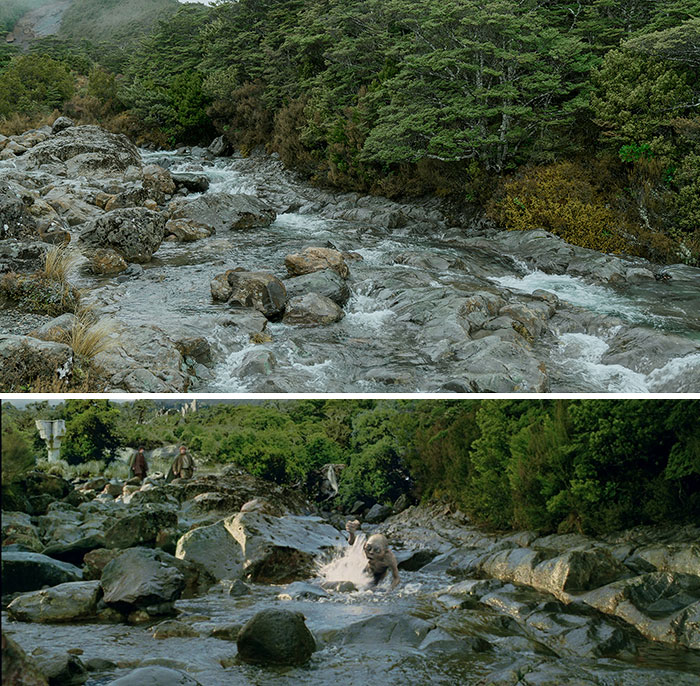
(348, 564)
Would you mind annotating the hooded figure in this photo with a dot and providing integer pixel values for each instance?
(138, 465)
(182, 466)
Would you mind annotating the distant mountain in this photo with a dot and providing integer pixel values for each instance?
(122, 21)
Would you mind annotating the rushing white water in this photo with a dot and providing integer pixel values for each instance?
(576, 291)
(348, 564)
(404, 329)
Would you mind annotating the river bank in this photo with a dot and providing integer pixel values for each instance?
(398, 299)
(473, 607)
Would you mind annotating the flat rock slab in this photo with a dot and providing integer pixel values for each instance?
(67, 602)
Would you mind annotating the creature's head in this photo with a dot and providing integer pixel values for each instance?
(376, 546)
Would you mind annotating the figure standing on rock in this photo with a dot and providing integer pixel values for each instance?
(138, 466)
(380, 558)
(182, 466)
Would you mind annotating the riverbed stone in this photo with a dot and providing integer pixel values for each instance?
(315, 259)
(378, 513)
(17, 528)
(214, 548)
(312, 309)
(195, 183)
(18, 669)
(86, 151)
(30, 571)
(61, 124)
(141, 527)
(281, 549)
(69, 602)
(325, 282)
(142, 578)
(276, 637)
(106, 262)
(173, 628)
(380, 630)
(155, 675)
(187, 230)
(224, 211)
(135, 232)
(259, 290)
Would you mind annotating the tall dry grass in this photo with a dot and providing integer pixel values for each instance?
(59, 262)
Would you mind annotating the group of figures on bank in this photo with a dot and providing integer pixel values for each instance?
(181, 468)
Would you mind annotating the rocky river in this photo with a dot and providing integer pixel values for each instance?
(232, 274)
(113, 582)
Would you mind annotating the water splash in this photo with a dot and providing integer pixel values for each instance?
(348, 564)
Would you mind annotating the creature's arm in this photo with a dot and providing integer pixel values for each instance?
(351, 527)
(391, 559)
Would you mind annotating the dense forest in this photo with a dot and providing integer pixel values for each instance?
(567, 465)
(579, 117)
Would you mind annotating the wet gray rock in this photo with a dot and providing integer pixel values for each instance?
(258, 290)
(86, 151)
(276, 637)
(186, 230)
(279, 549)
(195, 183)
(214, 548)
(324, 282)
(300, 590)
(17, 528)
(18, 669)
(62, 670)
(218, 147)
(173, 628)
(312, 309)
(16, 221)
(135, 233)
(61, 124)
(378, 513)
(141, 527)
(257, 362)
(69, 602)
(391, 629)
(142, 578)
(32, 571)
(224, 211)
(155, 675)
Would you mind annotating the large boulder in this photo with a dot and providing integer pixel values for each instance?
(224, 211)
(325, 282)
(276, 637)
(86, 151)
(316, 259)
(662, 606)
(141, 577)
(214, 548)
(259, 290)
(155, 675)
(16, 220)
(158, 181)
(195, 183)
(17, 668)
(281, 549)
(135, 232)
(63, 669)
(68, 602)
(17, 528)
(141, 527)
(31, 571)
(312, 309)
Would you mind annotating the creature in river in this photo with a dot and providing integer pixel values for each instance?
(380, 559)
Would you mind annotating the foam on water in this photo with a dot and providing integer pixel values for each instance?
(576, 291)
(365, 312)
(348, 564)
